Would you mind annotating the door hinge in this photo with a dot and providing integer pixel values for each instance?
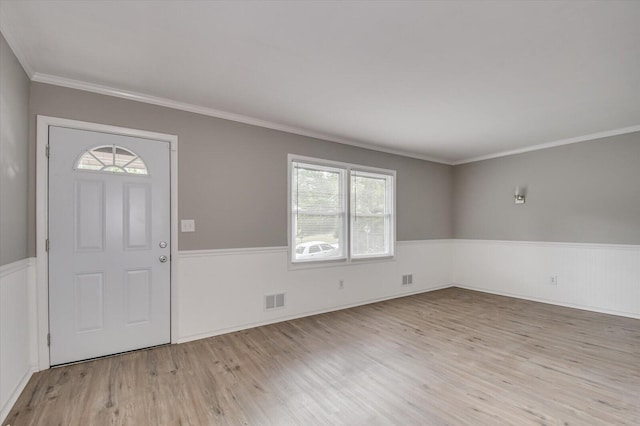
(46, 245)
(47, 151)
(48, 339)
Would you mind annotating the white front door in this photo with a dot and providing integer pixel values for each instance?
(109, 231)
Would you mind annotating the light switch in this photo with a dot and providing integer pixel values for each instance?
(188, 225)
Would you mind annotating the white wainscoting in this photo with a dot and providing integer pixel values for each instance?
(17, 330)
(223, 290)
(220, 291)
(597, 277)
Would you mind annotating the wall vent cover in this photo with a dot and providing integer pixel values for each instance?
(274, 301)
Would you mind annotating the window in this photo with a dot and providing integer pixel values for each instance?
(339, 211)
(371, 214)
(111, 159)
(318, 211)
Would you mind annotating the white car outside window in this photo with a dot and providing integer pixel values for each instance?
(315, 250)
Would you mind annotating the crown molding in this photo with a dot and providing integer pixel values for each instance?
(183, 106)
(7, 32)
(584, 138)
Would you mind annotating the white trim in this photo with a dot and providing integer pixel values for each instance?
(15, 394)
(185, 254)
(19, 274)
(422, 242)
(174, 236)
(189, 338)
(184, 106)
(18, 265)
(339, 164)
(553, 244)
(346, 169)
(233, 251)
(595, 277)
(42, 184)
(226, 293)
(561, 142)
(7, 32)
(550, 302)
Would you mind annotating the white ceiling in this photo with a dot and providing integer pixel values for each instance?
(446, 80)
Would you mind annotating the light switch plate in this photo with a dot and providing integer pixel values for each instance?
(188, 225)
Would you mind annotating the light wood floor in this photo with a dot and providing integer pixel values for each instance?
(447, 357)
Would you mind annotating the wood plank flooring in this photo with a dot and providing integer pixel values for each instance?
(447, 357)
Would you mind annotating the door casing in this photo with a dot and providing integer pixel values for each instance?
(42, 232)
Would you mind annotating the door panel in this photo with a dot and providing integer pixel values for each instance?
(138, 296)
(109, 204)
(137, 216)
(89, 220)
(89, 301)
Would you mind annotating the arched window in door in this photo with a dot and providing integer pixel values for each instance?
(111, 159)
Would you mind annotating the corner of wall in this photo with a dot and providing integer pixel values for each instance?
(595, 277)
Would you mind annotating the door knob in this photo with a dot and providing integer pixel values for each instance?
(163, 258)
(163, 244)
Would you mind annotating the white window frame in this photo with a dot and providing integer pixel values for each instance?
(346, 187)
(390, 206)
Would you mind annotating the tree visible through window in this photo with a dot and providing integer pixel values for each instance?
(340, 211)
(318, 211)
(371, 214)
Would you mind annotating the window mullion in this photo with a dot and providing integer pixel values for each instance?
(348, 213)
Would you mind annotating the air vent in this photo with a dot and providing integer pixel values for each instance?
(407, 279)
(274, 301)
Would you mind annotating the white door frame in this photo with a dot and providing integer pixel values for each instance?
(42, 211)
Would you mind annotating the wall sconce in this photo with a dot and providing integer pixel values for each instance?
(520, 194)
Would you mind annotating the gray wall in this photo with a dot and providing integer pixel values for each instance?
(232, 181)
(585, 192)
(14, 110)
(233, 176)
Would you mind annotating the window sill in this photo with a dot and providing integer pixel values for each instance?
(301, 266)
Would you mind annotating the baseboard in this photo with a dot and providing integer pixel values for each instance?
(8, 404)
(550, 302)
(222, 291)
(303, 315)
(595, 277)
